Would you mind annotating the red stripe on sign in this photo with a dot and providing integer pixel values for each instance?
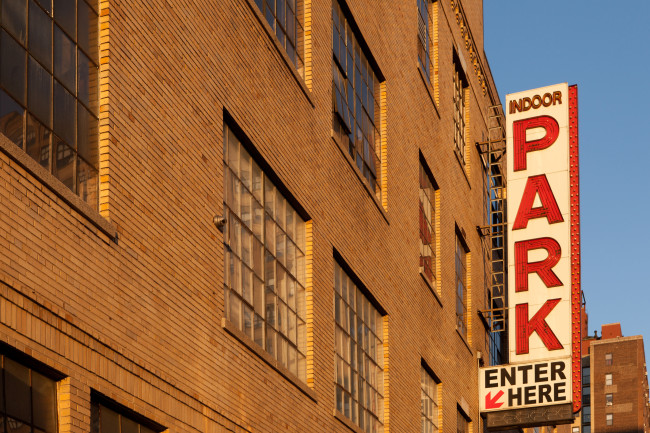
(574, 179)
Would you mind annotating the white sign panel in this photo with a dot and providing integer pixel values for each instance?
(539, 243)
(525, 385)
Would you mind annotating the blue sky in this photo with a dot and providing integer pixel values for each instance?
(603, 47)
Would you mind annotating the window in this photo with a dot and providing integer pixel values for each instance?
(608, 379)
(609, 399)
(285, 19)
(27, 399)
(428, 402)
(355, 100)
(609, 418)
(424, 37)
(460, 111)
(264, 278)
(586, 429)
(461, 287)
(48, 95)
(359, 355)
(575, 430)
(116, 420)
(586, 395)
(428, 233)
(608, 359)
(586, 414)
(462, 424)
(586, 376)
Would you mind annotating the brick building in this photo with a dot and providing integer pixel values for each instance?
(614, 383)
(243, 216)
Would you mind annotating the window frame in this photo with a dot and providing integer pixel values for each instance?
(609, 360)
(74, 159)
(460, 258)
(425, 43)
(99, 401)
(429, 380)
(429, 225)
(352, 300)
(272, 311)
(462, 422)
(460, 105)
(609, 379)
(609, 419)
(357, 109)
(609, 399)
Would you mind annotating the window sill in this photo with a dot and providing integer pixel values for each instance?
(48, 180)
(463, 167)
(430, 90)
(231, 329)
(347, 422)
(280, 49)
(464, 340)
(430, 287)
(362, 180)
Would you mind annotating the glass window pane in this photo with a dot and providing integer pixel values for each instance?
(38, 142)
(109, 421)
(45, 4)
(40, 35)
(44, 400)
(87, 30)
(64, 14)
(64, 159)
(17, 386)
(39, 95)
(87, 136)
(11, 119)
(87, 183)
(14, 18)
(64, 114)
(13, 67)
(64, 59)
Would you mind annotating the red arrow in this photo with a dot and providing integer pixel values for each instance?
(491, 403)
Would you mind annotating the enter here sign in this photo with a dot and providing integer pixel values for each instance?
(514, 386)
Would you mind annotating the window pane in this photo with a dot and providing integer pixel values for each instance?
(64, 162)
(14, 18)
(87, 36)
(45, 4)
(38, 142)
(64, 114)
(109, 421)
(44, 400)
(11, 119)
(87, 183)
(64, 14)
(17, 386)
(87, 136)
(64, 59)
(13, 67)
(40, 35)
(39, 96)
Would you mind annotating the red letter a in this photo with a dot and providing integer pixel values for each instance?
(525, 327)
(543, 268)
(522, 147)
(549, 208)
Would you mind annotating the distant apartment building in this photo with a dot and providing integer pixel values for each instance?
(614, 384)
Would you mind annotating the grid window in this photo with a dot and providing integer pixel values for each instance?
(608, 379)
(27, 399)
(586, 375)
(609, 418)
(586, 414)
(355, 100)
(105, 420)
(586, 429)
(359, 355)
(264, 278)
(462, 424)
(460, 112)
(286, 21)
(461, 287)
(48, 87)
(609, 399)
(428, 402)
(424, 37)
(608, 359)
(427, 227)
